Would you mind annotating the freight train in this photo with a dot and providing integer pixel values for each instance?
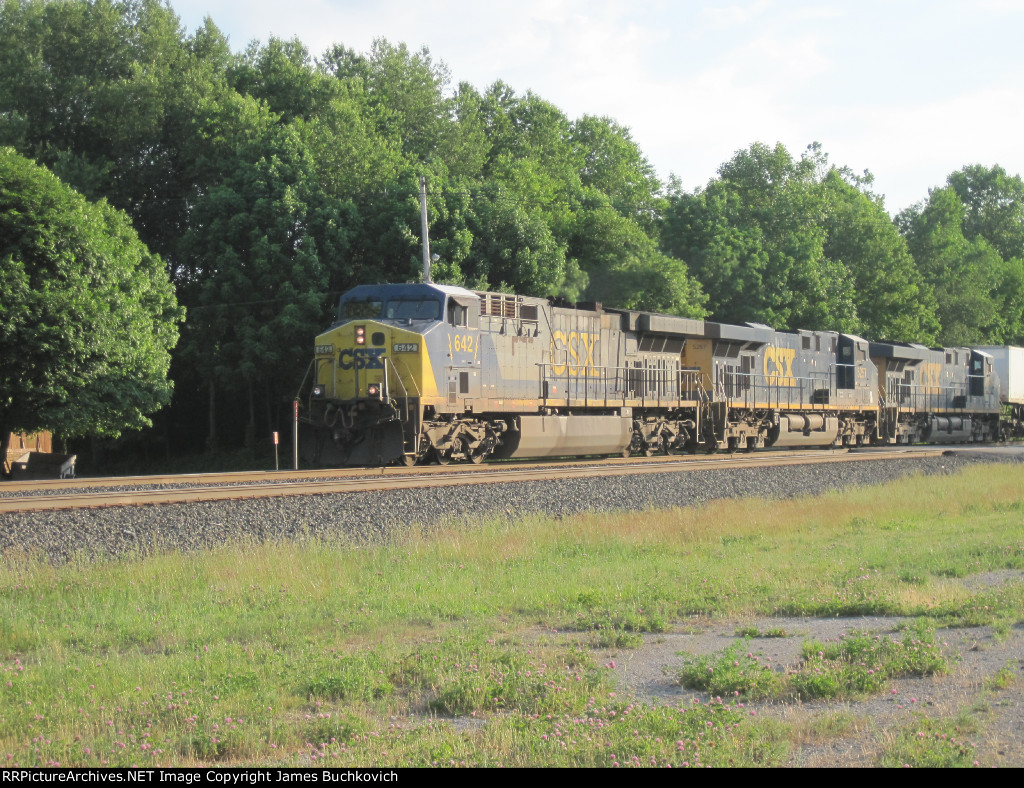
(417, 372)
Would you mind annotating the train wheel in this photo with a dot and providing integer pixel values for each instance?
(627, 453)
(475, 457)
(442, 457)
(409, 460)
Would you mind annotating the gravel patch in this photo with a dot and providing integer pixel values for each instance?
(366, 517)
(649, 674)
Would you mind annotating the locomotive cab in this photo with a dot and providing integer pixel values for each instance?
(373, 370)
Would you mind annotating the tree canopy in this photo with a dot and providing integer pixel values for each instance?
(88, 318)
(798, 243)
(968, 241)
(271, 180)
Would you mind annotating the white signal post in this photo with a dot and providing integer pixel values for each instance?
(295, 433)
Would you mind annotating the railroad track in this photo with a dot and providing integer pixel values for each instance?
(148, 490)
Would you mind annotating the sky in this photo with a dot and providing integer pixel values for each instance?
(911, 90)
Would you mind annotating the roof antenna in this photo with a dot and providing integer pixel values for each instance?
(423, 230)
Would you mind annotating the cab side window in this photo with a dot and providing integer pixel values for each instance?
(457, 313)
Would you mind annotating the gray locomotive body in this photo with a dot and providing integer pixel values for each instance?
(936, 395)
(416, 372)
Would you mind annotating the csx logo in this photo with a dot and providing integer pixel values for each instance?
(778, 366)
(361, 358)
(930, 377)
(578, 350)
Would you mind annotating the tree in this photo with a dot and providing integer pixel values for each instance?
(994, 207)
(798, 243)
(891, 298)
(754, 239)
(980, 295)
(114, 100)
(88, 317)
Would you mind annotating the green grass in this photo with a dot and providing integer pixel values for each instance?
(1003, 679)
(282, 653)
(754, 632)
(860, 664)
(948, 743)
(934, 744)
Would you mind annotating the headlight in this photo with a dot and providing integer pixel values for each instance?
(373, 390)
(319, 391)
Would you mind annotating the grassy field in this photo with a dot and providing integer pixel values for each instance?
(475, 644)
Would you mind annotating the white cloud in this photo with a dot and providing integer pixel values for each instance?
(913, 149)
(730, 16)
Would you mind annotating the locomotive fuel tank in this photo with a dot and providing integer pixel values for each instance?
(810, 429)
(565, 436)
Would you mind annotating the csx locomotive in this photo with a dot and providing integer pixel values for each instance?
(415, 372)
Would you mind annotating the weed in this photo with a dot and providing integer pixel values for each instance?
(934, 744)
(1003, 679)
(754, 632)
(736, 672)
(616, 638)
(860, 663)
(834, 725)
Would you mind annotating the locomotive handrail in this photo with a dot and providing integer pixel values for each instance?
(800, 392)
(647, 385)
(405, 391)
(925, 397)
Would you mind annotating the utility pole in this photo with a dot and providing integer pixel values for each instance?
(423, 230)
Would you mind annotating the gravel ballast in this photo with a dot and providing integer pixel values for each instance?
(370, 516)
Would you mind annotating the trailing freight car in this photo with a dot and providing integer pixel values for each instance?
(1009, 366)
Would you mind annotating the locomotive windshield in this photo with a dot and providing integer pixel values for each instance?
(359, 310)
(413, 309)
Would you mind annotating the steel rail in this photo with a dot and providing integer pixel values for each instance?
(265, 477)
(379, 481)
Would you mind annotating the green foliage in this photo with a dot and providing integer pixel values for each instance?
(88, 317)
(854, 665)
(860, 663)
(735, 672)
(797, 244)
(968, 242)
(933, 744)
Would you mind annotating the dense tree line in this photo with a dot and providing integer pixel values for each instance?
(270, 181)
